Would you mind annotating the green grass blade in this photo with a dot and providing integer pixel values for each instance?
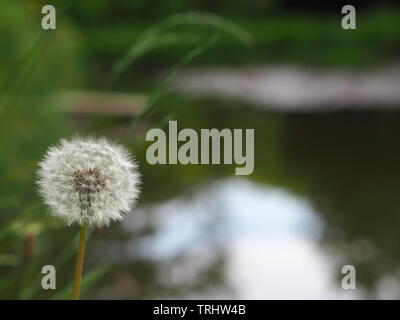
(87, 281)
(192, 54)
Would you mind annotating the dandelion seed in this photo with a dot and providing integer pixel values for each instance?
(90, 182)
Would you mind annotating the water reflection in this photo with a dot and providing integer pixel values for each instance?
(262, 240)
(351, 164)
(323, 194)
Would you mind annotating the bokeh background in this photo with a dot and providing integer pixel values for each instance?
(324, 105)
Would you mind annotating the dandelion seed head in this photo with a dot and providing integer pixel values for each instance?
(88, 180)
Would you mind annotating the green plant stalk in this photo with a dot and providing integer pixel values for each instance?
(76, 288)
(161, 89)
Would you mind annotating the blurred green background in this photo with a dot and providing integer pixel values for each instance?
(108, 60)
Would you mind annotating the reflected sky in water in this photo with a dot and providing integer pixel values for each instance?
(323, 195)
(269, 238)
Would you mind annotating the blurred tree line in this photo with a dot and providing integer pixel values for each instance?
(125, 10)
(287, 31)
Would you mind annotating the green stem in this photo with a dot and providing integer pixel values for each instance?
(79, 262)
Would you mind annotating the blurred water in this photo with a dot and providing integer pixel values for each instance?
(323, 194)
(299, 89)
(269, 238)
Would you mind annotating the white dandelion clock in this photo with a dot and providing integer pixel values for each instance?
(88, 180)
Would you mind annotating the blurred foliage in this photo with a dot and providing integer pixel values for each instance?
(283, 33)
(286, 38)
(36, 65)
(98, 11)
(33, 63)
(23, 43)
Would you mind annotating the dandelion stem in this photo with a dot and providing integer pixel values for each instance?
(79, 262)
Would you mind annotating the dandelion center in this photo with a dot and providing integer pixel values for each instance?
(88, 181)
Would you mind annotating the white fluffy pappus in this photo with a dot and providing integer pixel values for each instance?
(88, 180)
